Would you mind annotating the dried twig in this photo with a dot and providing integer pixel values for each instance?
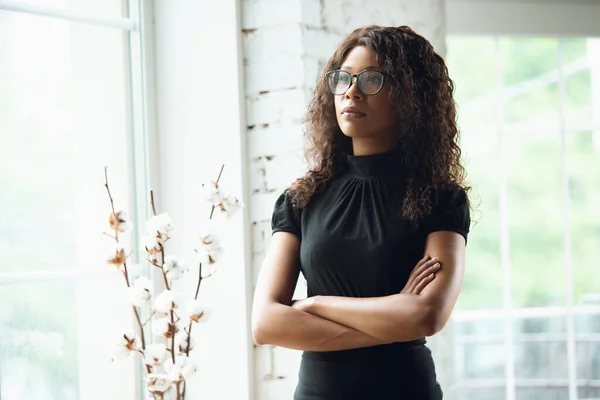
(152, 202)
(173, 339)
(200, 277)
(164, 274)
(149, 318)
(162, 268)
(125, 274)
(217, 182)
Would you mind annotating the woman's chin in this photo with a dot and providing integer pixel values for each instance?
(356, 134)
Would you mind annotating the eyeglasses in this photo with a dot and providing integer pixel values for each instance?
(369, 82)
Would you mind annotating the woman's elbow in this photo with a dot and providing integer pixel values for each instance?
(261, 325)
(434, 321)
(258, 328)
(258, 335)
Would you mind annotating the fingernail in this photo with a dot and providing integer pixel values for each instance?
(436, 265)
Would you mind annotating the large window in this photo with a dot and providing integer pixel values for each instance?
(70, 74)
(527, 324)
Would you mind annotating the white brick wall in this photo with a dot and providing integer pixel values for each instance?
(285, 45)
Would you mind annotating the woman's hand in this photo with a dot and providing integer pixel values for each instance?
(422, 275)
(303, 304)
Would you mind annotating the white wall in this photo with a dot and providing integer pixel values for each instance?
(199, 117)
(286, 44)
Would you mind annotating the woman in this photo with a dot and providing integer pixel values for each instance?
(378, 226)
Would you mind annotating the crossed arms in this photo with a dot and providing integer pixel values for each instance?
(329, 323)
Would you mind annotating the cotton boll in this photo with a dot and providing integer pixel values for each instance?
(118, 221)
(152, 244)
(127, 343)
(158, 383)
(141, 291)
(164, 327)
(155, 354)
(182, 341)
(194, 310)
(117, 256)
(174, 267)
(230, 205)
(166, 302)
(212, 193)
(183, 369)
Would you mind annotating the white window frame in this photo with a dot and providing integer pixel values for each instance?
(539, 18)
(140, 118)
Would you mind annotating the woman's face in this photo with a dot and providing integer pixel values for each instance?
(374, 119)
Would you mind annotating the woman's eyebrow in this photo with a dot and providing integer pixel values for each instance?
(369, 67)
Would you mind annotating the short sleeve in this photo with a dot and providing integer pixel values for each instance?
(286, 217)
(450, 212)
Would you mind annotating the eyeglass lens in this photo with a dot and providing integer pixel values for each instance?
(369, 82)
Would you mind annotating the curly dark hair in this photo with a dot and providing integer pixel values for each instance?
(425, 119)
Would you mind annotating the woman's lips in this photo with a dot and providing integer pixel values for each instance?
(353, 112)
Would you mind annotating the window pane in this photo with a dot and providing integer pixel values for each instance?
(39, 343)
(475, 80)
(577, 84)
(63, 117)
(587, 324)
(536, 221)
(480, 327)
(477, 101)
(542, 393)
(483, 394)
(584, 187)
(479, 350)
(588, 393)
(529, 78)
(482, 285)
(542, 358)
(55, 340)
(587, 329)
(540, 348)
(588, 358)
(480, 360)
(554, 325)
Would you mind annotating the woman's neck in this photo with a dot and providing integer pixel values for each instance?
(368, 146)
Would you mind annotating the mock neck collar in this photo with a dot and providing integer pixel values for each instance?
(381, 165)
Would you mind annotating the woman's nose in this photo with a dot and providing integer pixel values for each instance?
(353, 92)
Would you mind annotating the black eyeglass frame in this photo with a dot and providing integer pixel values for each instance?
(333, 71)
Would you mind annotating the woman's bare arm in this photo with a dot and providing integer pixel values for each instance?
(403, 317)
(275, 322)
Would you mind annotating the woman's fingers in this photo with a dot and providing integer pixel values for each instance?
(411, 282)
(419, 267)
(426, 277)
(423, 274)
(423, 283)
(422, 266)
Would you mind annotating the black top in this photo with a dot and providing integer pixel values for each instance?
(355, 243)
